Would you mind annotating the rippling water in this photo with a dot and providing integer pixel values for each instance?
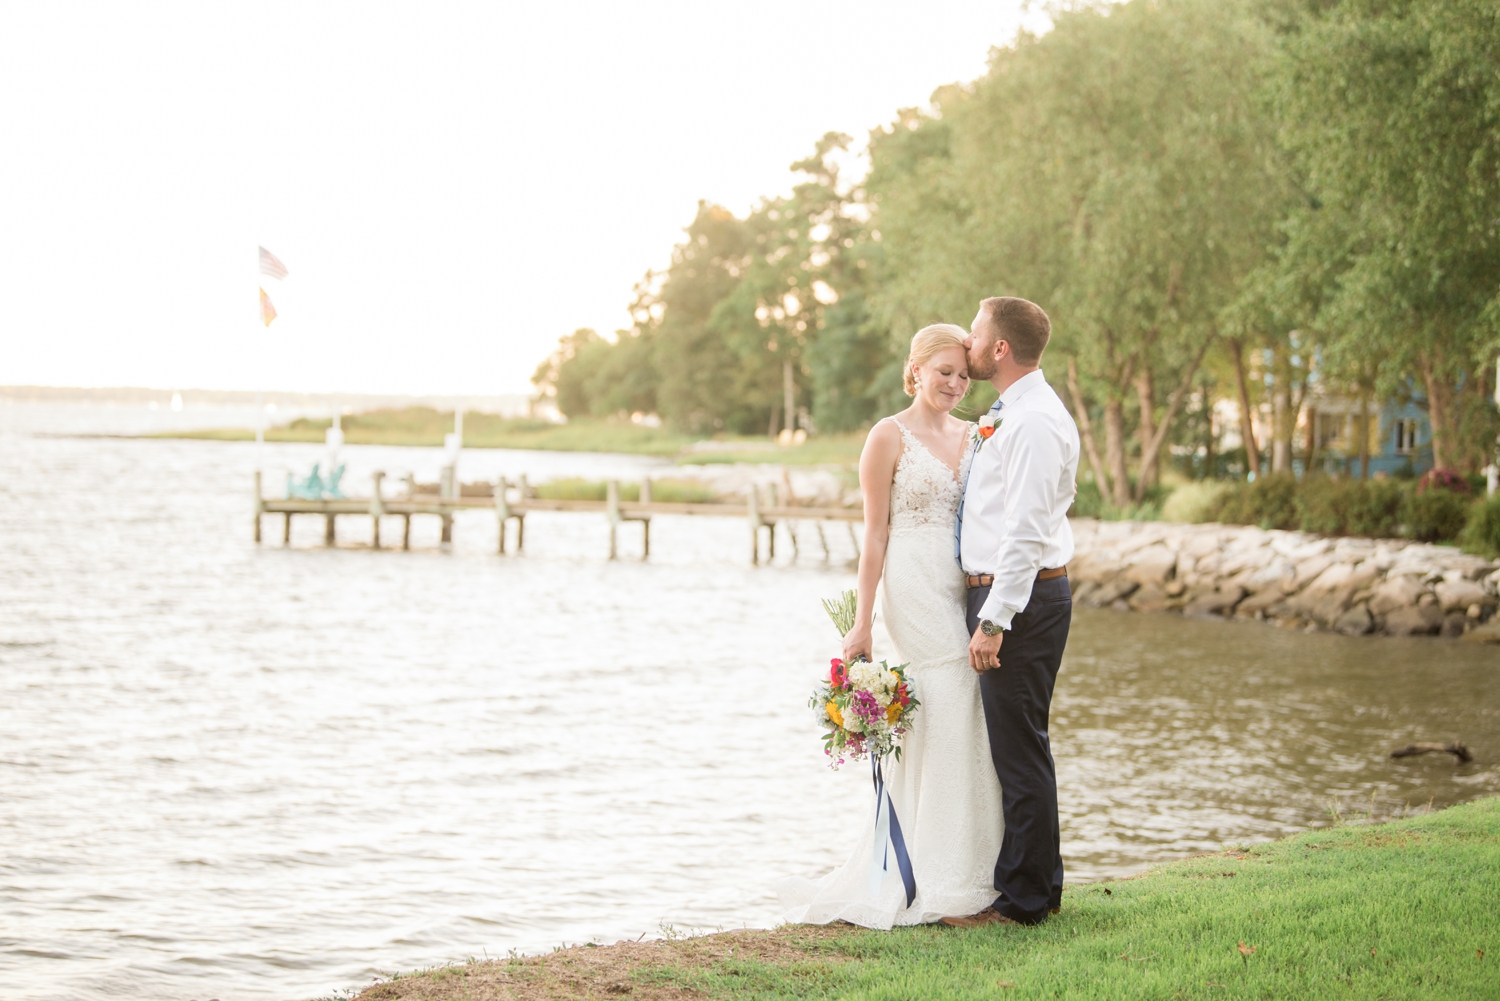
(253, 772)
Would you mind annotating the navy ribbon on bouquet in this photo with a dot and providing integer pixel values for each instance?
(888, 839)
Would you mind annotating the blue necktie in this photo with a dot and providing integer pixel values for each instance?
(958, 526)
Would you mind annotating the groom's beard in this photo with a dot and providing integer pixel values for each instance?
(982, 366)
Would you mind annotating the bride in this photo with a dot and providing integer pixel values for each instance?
(944, 788)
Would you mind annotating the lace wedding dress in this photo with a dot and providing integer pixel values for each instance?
(944, 787)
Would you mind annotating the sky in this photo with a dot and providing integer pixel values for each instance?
(452, 186)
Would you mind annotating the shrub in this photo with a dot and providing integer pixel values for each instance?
(1482, 533)
(1194, 502)
(1375, 509)
(1090, 503)
(1443, 479)
(1435, 515)
(1270, 502)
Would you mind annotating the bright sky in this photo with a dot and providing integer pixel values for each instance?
(453, 186)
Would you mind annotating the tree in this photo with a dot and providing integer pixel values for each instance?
(1393, 110)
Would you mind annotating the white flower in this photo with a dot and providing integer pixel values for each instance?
(891, 681)
(987, 421)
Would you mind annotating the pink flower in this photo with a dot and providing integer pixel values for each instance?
(837, 675)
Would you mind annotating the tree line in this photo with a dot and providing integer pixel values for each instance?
(1212, 198)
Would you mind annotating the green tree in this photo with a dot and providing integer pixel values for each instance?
(1393, 110)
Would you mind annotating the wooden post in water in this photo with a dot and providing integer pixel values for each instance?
(612, 510)
(411, 493)
(502, 509)
(521, 518)
(328, 537)
(754, 525)
(286, 529)
(448, 489)
(646, 519)
(260, 507)
(377, 506)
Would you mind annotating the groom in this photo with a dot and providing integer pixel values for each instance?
(1013, 543)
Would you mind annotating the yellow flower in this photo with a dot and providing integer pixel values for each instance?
(832, 708)
(892, 711)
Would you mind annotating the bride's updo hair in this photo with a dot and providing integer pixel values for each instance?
(927, 342)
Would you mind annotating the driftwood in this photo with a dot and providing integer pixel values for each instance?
(1457, 749)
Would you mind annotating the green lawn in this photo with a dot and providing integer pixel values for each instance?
(1408, 909)
(423, 426)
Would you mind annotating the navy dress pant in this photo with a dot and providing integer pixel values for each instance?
(1017, 698)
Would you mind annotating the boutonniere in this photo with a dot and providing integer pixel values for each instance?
(984, 429)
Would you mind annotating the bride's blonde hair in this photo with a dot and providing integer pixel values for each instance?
(928, 342)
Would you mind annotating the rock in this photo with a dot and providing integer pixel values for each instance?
(1457, 595)
(1417, 620)
(1149, 597)
(1201, 545)
(1454, 624)
(1258, 603)
(1492, 583)
(1278, 572)
(1326, 598)
(1215, 603)
(1081, 588)
(1474, 611)
(1397, 592)
(1175, 588)
(1489, 633)
(1111, 591)
(1355, 622)
(1309, 570)
(1152, 565)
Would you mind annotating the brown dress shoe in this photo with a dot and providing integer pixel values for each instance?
(1055, 910)
(988, 916)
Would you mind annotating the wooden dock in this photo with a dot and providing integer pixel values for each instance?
(507, 508)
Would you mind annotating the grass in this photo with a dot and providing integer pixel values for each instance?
(423, 426)
(1398, 910)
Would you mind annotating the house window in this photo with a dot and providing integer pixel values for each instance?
(1406, 437)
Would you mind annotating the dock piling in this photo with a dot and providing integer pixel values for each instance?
(646, 520)
(754, 497)
(377, 506)
(612, 512)
(502, 509)
(260, 507)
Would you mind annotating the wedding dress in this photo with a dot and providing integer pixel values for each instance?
(944, 787)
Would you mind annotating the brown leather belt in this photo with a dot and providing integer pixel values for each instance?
(986, 579)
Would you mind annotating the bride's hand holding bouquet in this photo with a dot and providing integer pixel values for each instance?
(864, 707)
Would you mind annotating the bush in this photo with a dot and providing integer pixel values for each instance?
(1482, 533)
(1435, 515)
(1090, 503)
(1375, 509)
(1194, 502)
(1270, 502)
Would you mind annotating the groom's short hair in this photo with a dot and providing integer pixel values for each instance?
(1021, 322)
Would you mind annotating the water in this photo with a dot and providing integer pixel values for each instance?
(265, 773)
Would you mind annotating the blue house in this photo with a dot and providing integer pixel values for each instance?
(1399, 435)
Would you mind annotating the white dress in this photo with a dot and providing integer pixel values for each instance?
(944, 787)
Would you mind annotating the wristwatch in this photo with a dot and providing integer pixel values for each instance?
(990, 628)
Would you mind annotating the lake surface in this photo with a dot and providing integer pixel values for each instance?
(241, 772)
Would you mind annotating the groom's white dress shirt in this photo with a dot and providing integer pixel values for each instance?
(1021, 484)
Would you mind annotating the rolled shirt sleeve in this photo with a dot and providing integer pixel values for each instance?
(1032, 464)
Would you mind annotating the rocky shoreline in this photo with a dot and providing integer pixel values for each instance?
(1355, 586)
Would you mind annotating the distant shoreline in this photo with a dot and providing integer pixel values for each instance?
(424, 428)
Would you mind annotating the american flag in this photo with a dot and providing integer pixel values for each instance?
(269, 265)
(267, 311)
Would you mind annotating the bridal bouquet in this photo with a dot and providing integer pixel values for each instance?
(864, 707)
